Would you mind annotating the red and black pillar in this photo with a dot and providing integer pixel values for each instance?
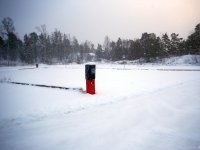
(90, 70)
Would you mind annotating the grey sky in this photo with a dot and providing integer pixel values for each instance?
(94, 19)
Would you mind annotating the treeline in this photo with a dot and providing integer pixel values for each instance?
(56, 47)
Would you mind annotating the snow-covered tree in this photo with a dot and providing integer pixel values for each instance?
(193, 41)
(165, 45)
(175, 44)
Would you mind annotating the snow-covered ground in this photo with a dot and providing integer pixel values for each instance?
(138, 107)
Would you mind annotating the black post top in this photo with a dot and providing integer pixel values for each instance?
(90, 70)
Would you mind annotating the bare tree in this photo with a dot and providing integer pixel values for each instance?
(7, 26)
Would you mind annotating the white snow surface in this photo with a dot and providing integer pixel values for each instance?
(138, 107)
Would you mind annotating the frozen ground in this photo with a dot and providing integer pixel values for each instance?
(136, 107)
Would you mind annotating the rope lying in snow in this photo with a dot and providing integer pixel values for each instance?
(25, 68)
(165, 69)
(178, 69)
(47, 86)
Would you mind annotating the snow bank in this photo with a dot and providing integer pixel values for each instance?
(179, 60)
(186, 59)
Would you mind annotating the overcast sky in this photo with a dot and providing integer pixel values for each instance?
(94, 19)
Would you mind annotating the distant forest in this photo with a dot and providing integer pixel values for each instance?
(57, 47)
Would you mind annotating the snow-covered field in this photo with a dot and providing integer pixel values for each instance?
(140, 107)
